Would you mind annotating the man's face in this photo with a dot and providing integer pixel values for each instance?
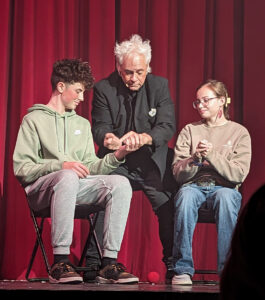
(72, 95)
(133, 71)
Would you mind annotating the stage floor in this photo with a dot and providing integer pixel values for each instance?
(120, 291)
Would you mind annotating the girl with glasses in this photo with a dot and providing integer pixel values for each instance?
(211, 160)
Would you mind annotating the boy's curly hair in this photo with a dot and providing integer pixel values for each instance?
(71, 71)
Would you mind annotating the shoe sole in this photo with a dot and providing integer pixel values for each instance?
(89, 280)
(72, 280)
(119, 281)
(181, 283)
(188, 283)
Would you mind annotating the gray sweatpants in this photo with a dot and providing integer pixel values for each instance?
(62, 190)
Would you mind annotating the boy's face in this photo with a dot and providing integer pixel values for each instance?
(72, 94)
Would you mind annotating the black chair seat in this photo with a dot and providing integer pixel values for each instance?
(206, 215)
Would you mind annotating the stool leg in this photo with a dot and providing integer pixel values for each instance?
(38, 243)
(92, 233)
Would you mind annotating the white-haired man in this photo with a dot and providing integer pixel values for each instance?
(132, 106)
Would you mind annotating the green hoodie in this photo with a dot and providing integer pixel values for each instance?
(46, 139)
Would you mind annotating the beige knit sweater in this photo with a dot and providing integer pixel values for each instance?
(229, 160)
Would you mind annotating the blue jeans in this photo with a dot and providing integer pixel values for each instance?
(225, 203)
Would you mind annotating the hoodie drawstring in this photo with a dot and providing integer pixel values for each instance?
(57, 135)
(65, 134)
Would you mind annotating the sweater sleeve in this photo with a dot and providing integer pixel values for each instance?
(28, 164)
(182, 166)
(97, 165)
(235, 166)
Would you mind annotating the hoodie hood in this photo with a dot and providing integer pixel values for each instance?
(50, 111)
(57, 117)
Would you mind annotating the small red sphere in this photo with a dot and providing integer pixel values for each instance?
(153, 277)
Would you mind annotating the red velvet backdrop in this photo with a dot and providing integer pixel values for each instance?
(191, 41)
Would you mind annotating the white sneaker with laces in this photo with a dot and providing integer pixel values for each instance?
(183, 279)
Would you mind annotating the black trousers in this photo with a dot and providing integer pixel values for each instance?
(146, 177)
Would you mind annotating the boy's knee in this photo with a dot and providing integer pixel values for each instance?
(68, 178)
(121, 184)
(68, 175)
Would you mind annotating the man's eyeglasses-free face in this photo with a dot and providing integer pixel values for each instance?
(204, 102)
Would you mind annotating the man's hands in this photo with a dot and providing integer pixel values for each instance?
(133, 139)
(112, 142)
(130, 142)
(81, 170)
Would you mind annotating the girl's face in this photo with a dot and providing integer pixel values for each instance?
(207, 103)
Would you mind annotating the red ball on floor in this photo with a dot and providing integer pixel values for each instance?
(153, 277)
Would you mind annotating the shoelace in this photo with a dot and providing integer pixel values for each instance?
(67, 267)
(120, 267)
(115, 270)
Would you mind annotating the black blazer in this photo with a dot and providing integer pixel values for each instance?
(154, 114)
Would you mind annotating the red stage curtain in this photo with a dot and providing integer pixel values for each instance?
(191, 40)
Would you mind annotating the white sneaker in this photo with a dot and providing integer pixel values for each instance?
(183, 279)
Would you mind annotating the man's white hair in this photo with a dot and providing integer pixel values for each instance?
(134, 45)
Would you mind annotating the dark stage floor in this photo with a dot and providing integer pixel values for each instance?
(115, 291)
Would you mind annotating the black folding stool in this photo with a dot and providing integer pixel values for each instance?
(88, 212)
